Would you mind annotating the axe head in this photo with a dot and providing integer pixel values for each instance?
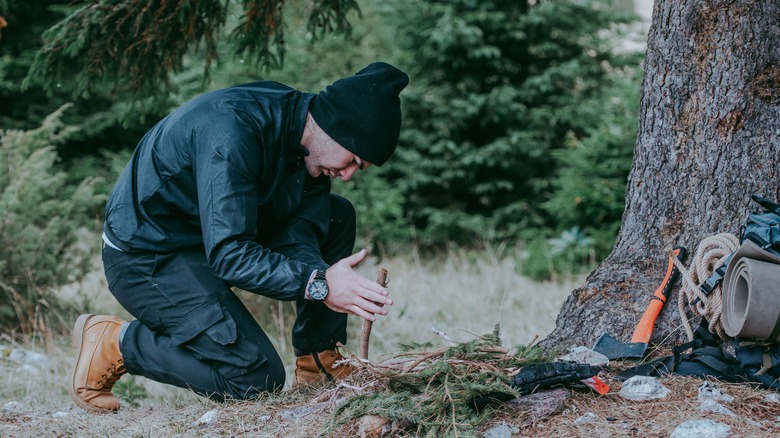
(614, 349)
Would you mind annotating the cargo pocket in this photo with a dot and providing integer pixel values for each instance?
(212, 335)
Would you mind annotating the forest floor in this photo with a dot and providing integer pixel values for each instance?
(749, 412)
(463, 296)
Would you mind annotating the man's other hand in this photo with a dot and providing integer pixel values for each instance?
(350, 292)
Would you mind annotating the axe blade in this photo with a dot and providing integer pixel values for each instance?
(614, 349)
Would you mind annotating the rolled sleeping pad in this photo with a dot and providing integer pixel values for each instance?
(751, 294)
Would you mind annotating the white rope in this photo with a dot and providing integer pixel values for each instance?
(710, 255)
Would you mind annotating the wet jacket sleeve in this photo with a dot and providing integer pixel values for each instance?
(227, 163)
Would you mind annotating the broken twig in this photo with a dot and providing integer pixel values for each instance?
(443, 335)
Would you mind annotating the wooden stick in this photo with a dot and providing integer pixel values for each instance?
(366, 334)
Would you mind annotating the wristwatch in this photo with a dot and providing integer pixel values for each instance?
(318, 288)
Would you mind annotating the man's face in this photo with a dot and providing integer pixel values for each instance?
(327, 157)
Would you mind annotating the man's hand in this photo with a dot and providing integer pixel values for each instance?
(350, 292)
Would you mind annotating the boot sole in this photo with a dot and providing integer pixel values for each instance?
(77, 340)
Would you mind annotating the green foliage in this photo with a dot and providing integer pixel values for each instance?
(589, 187)
(134, 43)
(496, 87)
(26, 21)
(512, 106)
(40, 218)
(379, 208)
(552, 258)
(535, 354)
(438, 397)
(133, 46)
(130, 391)
(104, 123)
(102, 168)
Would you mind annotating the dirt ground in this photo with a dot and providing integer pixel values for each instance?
(579, 412)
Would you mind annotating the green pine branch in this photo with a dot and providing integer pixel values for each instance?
(133, 46)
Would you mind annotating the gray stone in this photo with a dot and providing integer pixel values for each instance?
(701, 429)
(299, 412)
(709, 391)
(534, 407)
(12, 406)
(29, 359)
(641, 388)
(713, 406)
(772, 397)
(582, 354)
(589, 417)
(208, 418)
(501, 430)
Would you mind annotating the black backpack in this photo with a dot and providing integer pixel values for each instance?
(762, 228)
(754, 361)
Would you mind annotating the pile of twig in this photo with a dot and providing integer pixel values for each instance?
(430, 391)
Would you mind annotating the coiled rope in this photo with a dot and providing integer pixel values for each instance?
(710, 255)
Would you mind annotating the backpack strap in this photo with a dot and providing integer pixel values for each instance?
(766, 203)
(706, 359)
(760, 360)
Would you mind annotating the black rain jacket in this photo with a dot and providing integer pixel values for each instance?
(225, 172)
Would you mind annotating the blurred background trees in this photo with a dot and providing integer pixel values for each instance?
(519, 121)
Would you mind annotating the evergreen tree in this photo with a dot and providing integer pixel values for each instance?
(134, 47)
(40, 220)
(592, 169)
(496, 87)
(104, 120)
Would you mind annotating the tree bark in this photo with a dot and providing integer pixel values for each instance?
(708, 138)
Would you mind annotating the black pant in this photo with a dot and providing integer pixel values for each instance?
(193, 332)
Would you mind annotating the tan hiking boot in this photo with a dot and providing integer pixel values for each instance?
(98, 365)
(318, 368)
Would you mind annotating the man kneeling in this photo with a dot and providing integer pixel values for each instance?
(232, 189)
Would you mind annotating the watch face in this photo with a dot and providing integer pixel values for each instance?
(318, 290)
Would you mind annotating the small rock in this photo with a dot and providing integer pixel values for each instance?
(582, 354)
(60, 414)
(12, 406)
(370, 426)
(208, 418)
(534, 407)
(29, 358)
(299, 412)
(589, 417)
(701, 429)
(640, 388)
(501, 430)
(708, 391)
(772, 397)
(28, 369)
(713, 406)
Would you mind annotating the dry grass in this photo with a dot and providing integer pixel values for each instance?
(460, 295)
(464, 297)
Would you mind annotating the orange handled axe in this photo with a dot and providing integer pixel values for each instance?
(614, 349)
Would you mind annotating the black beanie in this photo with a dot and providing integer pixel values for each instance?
(363, 112)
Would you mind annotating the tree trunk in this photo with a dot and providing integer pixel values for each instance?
(708, 138)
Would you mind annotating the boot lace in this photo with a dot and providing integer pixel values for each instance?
(113, 373)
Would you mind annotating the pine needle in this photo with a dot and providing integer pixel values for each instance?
(434, 389)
